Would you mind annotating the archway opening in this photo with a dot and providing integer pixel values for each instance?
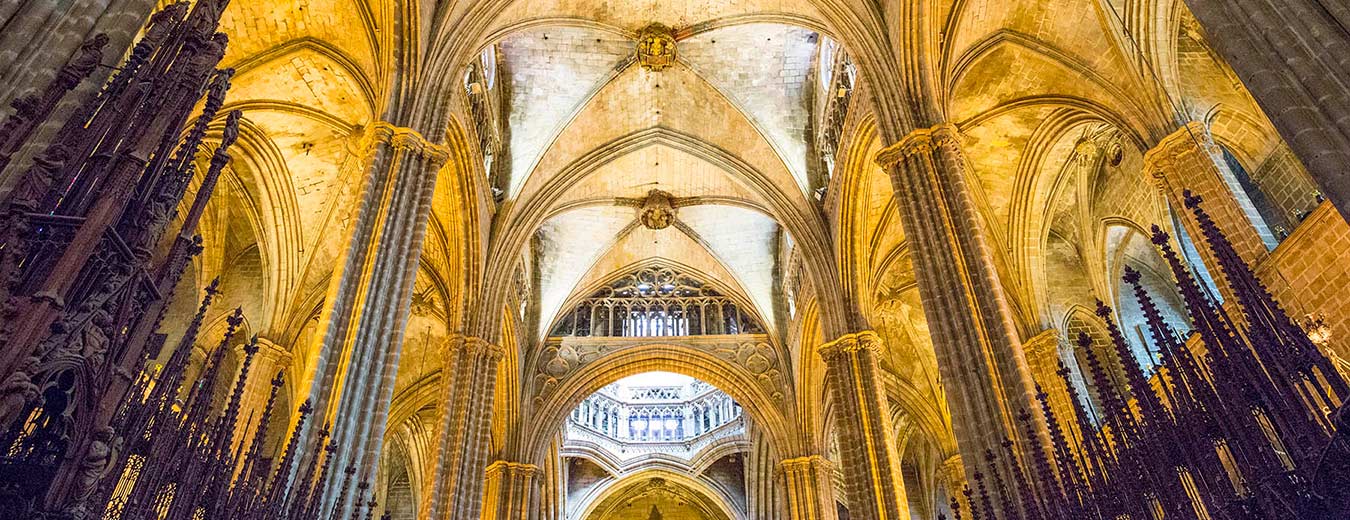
(655, 443)
(654, 412)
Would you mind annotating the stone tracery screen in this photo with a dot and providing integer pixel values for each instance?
(656, 301)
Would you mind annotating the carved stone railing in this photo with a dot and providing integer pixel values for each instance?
(687, 449)
(694, 415)
(562, 357)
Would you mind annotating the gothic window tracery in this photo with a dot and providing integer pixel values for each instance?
(653, 302)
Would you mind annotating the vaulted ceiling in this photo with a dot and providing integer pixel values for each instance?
(725, 132)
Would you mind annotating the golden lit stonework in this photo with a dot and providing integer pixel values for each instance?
(658, 211)
(656, 47)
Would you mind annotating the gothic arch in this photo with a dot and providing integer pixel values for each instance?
(620, 485)
(766, 411)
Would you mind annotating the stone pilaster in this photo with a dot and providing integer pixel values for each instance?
(1190, 160)
(980, 359)
(1294, 58)
(509, 490)
(353, 379)
(808, 488)
(468, 381)
(869, 460)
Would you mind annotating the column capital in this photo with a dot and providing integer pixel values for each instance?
(1045, 343)
(508, 468)
(477, 347)
(952, 471)
(953, 466)
(805, 463)
(268, 349)
(404, 138)
(850, 343)
(919, 141)
(1190, 138)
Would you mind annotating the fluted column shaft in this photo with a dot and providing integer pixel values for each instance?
(354, 373)
(509, 491)
(808, 488)
(869, 460)
(984, 374)
(469, 380)
(1294, 58)
(1188, 159)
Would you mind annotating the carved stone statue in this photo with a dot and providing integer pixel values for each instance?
(92, 342)
(18, 390)
(102, 452)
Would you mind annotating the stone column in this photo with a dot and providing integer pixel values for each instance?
(808, 489)
(862, 418)
(552, 484)
(468, 381)
(1044, 358)
(1188, 159)
(353, 375)
(952, 477)
(270, 360)
(1294, 58)
(509, 490)
(984, 374)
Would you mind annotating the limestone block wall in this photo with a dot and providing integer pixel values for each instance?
(1310, 273)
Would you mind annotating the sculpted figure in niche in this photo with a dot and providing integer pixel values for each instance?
(95, 466)
(18, 391)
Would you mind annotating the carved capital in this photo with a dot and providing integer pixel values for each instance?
(953, 475)
(807, 463)
(919, 141)
(1043, 345)
(481, 347)
(851, 343)
(503, 469)
(1170, 152)
(271, 351)
(407, 139)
